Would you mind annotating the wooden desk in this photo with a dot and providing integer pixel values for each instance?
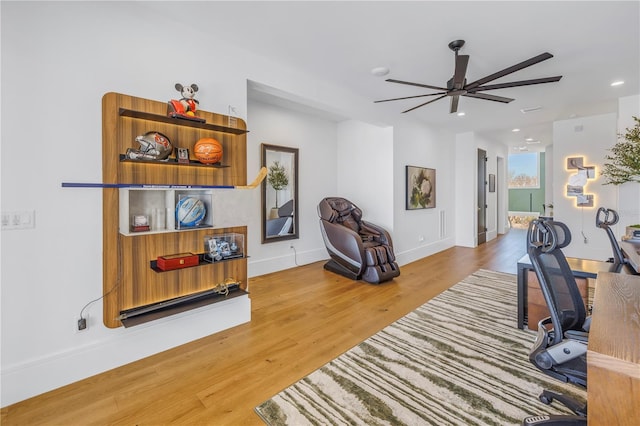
(632, 252)
(613, 355)
(581, 268)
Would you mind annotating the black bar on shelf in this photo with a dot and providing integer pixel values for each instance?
(153, 311)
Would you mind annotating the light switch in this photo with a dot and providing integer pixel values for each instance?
(22, 219)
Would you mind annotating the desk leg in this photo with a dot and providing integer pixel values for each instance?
(522, 294)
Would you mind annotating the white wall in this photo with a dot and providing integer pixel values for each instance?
(549, 182)
(466, 195)
(419, 233)
(58, 60)
(364, 156)
(628, 193)
(316, 140)
(587, 137)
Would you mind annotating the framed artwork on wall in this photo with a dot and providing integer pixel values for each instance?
(420, 188)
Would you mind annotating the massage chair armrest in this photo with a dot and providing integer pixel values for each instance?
(383, 236)
(344, 240)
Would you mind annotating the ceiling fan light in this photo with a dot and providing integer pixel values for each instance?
(461, 114)
(617, 83)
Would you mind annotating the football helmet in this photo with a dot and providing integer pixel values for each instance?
(153, 146)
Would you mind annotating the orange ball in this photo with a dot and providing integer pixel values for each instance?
(208, 150)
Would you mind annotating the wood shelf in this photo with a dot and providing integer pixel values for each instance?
(153, 264)
(124, 112)
(173, 162)
(129, 281)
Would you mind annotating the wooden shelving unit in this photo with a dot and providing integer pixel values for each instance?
(128, 280)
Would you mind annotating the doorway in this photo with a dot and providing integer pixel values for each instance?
(482, 197)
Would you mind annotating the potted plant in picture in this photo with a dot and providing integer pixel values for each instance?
(279, 180)
(623, 164)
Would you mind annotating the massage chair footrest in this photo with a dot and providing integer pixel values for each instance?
(334, 266)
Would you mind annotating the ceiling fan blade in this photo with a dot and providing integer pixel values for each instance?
(421, 105)
(416, 84)
(409, 97)
(488, 97)
(518, 83)
(461, 70)
(511, 69)
(453, 105)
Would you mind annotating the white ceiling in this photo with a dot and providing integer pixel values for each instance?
(593, 42)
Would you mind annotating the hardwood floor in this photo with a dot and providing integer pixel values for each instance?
(301, 319)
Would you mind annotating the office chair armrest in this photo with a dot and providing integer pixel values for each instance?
(581, 336)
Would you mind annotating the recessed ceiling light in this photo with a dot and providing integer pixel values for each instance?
(515, 130)
(617, 83)
(380, 71)
(528, 139)
(531, 141)
(461, 114)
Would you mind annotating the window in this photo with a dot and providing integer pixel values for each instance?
(524, 170)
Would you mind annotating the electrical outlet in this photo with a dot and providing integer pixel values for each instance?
(81, 324)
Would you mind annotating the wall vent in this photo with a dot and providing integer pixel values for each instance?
(530, 109)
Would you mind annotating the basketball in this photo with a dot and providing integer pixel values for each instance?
(208, 151)
(190, 212)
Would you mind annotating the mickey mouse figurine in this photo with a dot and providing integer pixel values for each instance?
(187, 105)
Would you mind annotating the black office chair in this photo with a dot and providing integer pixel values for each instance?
(560, 348)
(605, 219)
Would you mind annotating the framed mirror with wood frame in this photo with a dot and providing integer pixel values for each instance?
(280, 193)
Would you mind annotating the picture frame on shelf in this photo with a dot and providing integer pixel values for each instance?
(182, 155)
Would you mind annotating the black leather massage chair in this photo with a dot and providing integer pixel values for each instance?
(358, 249)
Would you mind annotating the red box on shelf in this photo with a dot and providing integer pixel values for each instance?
(177, 261)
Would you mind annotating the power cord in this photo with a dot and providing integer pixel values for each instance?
(295, 255)
(82, 321)
(586, 241)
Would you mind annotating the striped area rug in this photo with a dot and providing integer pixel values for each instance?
(457, 360)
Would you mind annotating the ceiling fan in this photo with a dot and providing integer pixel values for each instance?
(458, 86)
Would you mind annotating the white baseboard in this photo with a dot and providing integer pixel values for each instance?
(290, 260)
(420, 252)
(33, 377)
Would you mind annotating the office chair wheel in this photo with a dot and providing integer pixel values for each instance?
(545, 399)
